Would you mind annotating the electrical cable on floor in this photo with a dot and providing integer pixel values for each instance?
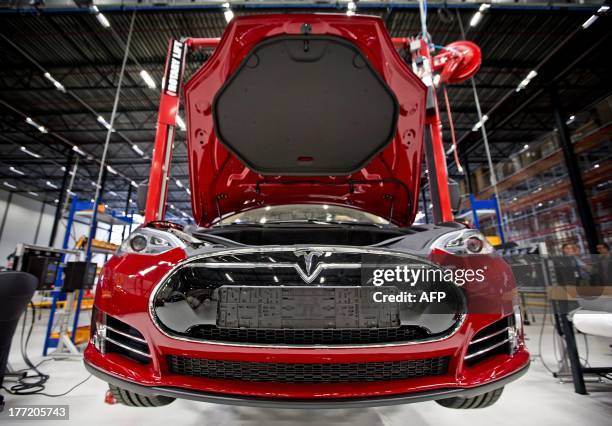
(25, 385)
(541, 338)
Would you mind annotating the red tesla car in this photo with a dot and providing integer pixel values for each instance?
(305, 138)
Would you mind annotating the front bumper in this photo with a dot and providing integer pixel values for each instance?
(250, 401)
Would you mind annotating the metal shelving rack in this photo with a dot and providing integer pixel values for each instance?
(65, 342)
(536, 195)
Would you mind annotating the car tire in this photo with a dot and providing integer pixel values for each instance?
(132, 399)
(479, 401)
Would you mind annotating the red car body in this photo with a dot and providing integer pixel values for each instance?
(387, 185)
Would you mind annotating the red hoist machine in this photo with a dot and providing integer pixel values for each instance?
(454, 63)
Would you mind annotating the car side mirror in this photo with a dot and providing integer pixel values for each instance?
(141, 196)
(455, 194)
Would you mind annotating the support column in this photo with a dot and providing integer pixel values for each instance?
(94, 215)
(573, 170)
(62, 196)
(127, 209)
(468, 174)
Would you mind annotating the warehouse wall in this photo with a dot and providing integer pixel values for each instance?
(22, 219)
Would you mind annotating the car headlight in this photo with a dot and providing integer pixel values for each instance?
(150, 241)
(465, 241)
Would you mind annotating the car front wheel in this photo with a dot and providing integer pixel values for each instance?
(479, 401)
(132, 399)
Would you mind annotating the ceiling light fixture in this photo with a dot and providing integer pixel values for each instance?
(227, 12)
(59, 86)
(100, 17)
(103, 122)
(477, 17)
(30, 153)
(51, 185)
(479, 124)
(14, 170)
(137, 150)
(79, 151)
(146, 77)
(351, 7)
(532, 74)
(41, 129)
(10, 185)
(180, 123)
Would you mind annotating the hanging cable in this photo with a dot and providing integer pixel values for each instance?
(452, 131)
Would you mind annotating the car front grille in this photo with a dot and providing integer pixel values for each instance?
(494, 339)
(307, 373)
(123, 339)
(274, 296)
(331, 336)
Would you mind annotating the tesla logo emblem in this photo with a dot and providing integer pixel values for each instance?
(308, 256)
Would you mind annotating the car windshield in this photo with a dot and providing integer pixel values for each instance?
(307, 213)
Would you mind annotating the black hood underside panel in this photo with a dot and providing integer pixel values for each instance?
(305, 105)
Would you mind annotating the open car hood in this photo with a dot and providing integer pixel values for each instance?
(305, 108)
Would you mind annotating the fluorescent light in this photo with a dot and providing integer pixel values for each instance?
(110, 169)
(351, 7)
(179, 183)
(596, 166)
(180, 123)
(589, 21)
(134, 184)
(14, 170)
(9, 185)
(59, 86)
(184, 214)
(484, 7)
(94, 184)
(27, 151)
(188, 191)
(100, 17)
(56, 201)
(146, 77)
(229, 278)
(113, 193)
(51, 185)
(532, 74)
(229, 15)
(275, 279)
(33, 193)
(480, 123)
(41, 129)
(79, 150)
(526, 146)
(476, 19)
(103, 122)
(172, 206)
(137, 150)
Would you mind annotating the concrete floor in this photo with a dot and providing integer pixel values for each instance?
(535, 399)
